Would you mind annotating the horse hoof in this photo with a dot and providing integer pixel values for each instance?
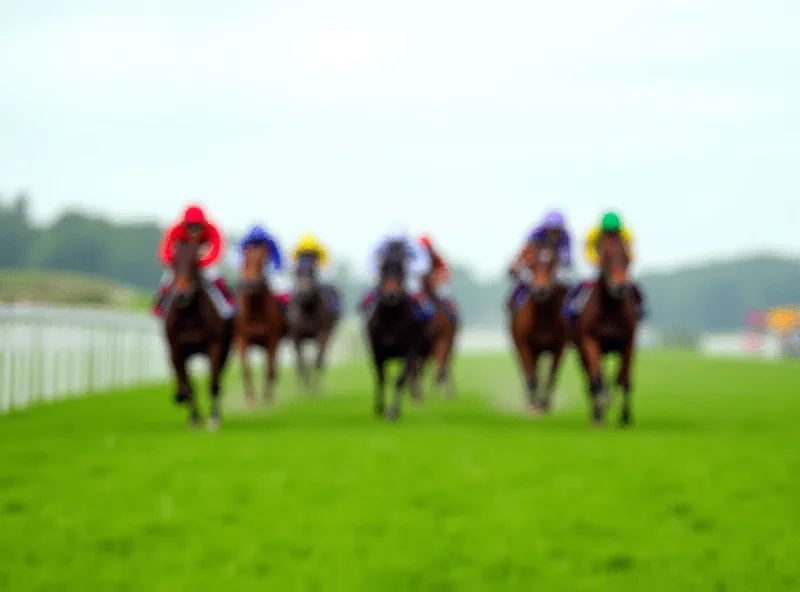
(625, 421)
(213, 424)
(180, 398)
(194, 424)
(394, 414)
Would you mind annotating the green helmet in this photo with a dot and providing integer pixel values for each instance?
(611, 222)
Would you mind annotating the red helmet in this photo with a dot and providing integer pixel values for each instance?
(426, 240)
(194, 215)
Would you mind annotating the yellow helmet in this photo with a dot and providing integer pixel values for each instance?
(308, 242)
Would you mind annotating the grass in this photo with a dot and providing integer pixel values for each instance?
(73, 289)
(112, 493)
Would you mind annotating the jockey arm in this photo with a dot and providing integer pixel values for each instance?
(275, 257)
(166, 249)
(522, 260)
(590, 246)
(420, 263)
(374, 261)
(627, 240)
(213, 239)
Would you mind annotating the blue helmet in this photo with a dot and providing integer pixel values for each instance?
(256, 236)
(554, 220)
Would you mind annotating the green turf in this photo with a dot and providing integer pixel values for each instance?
(66, 288)
(112, 493)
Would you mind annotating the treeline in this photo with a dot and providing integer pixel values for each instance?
(710, 297)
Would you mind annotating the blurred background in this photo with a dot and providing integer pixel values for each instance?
(456, 120)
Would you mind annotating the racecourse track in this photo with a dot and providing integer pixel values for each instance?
(113, 493)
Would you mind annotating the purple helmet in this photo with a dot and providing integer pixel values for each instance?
(554, 219)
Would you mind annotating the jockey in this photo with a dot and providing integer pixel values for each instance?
(194, 226)
(435, 283)
(550, 232)
(440, 273)
(310, 246)
(258, 237)
(418, 265)
(611, 224)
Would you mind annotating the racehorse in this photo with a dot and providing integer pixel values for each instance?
(438, 345)
(194, 326)
(538, 326)
(312, 316)
(260, 322)
(393, 329)
(607, 324)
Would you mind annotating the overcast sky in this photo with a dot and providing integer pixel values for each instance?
(463, 118)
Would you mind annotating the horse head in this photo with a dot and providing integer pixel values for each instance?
(252, 272)
(614, 262)
(393, 274)
(186, 274)
(306, 278)
(542, 266)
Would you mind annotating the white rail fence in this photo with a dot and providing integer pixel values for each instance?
(50, 353)
(55, 353)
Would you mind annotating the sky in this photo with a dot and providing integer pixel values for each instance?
(463, 119)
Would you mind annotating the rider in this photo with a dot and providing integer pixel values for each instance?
(435, 282)
(195, 227)
(610, 224)
(309, 246)
(418, 265)
(258, 237)
(550, 232)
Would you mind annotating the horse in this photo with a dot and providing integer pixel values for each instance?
(312, 316)
(439, 343)
(193, 326)
(261, 322)
(606, 324)
(394, 330)
(537, 325)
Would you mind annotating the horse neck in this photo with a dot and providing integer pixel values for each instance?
(194, 309)
(394, 313)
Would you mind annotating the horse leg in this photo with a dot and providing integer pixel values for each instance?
(247, 375)
(528, 362)
(302, 369)
(215, 363)
(322, 348)
(416, 378)
(555, 364)
(597, 388)
(380, 385)
(185, 392)
(624, 382)
(441, 355)
(271, 372)
(409, 371)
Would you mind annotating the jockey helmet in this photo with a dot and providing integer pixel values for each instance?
(554, 220)
(426, 241)
(194, 215)
(256, 236)
(308, 242)
(611, 222)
